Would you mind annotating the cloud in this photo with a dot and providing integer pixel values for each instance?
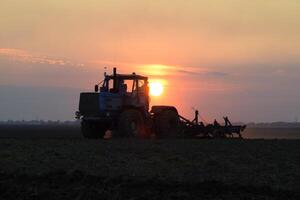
(217, 74)
(178, 71)
(202, 73)
(21, 67)
(36, 58)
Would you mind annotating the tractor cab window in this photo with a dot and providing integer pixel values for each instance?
(139, 86)
(107, 86)
(126, 86)
(142, 86)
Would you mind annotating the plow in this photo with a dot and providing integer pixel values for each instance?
(196, 129)
(120, 103)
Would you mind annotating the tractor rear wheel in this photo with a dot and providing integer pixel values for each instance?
(92, 130)
(167, 124)
(131, 124)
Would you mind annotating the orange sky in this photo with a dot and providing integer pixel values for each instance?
(223, 57)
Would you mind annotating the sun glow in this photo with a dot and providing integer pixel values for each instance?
(155, 69)
(156, 88)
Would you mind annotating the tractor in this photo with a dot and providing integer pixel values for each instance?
(121, 103)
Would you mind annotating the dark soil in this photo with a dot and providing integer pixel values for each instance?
(66, 166)
(78, 185)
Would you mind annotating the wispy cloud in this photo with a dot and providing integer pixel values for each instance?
(160, 70)
(216, 74)
(38, 60)
(167, 71)
(35, 58)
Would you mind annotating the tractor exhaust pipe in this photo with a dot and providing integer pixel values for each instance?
(115, 72)
(115, 84)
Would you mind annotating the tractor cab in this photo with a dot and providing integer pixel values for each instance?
(131, 89)
(114, 94)
(126, 90)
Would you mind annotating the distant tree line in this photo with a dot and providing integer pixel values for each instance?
(39, 122)
(275, 125)
(77, 122)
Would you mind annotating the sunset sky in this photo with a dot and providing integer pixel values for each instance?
(224, 57)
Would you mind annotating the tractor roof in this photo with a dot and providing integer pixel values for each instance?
(127, 77)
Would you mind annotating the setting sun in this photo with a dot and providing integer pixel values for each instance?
(156, 88)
